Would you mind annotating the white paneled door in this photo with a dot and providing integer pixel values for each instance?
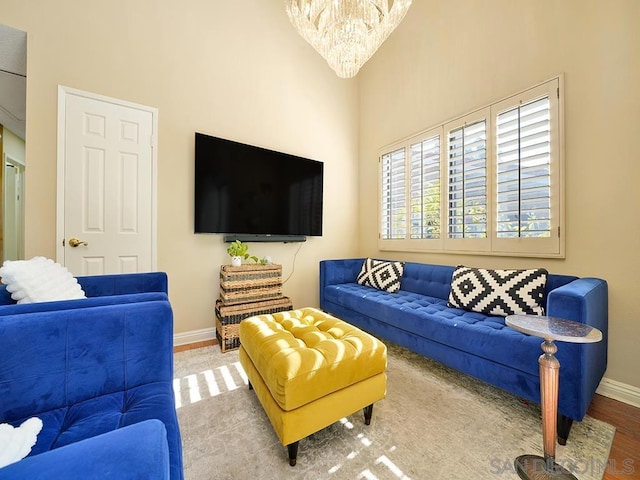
(106, 184)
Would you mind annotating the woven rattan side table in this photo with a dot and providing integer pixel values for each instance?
(245, 291)
(534, 467)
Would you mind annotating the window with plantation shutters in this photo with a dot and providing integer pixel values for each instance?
(488, 182)
(523, 156)
(467, 185)
(527, 172)
(393, 192)
(424, 188)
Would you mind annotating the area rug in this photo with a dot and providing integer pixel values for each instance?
(435, 423)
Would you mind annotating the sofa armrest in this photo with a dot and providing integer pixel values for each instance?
(138, 451)
(336, 272)
(585, 300)
(54, 359)
(124, 283)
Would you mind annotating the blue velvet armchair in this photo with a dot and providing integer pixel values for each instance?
(98, 372)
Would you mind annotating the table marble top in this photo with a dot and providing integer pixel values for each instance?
(551, 328)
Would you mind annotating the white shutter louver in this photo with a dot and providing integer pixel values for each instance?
(425, 189)
(393, 224)
(467, 182)
(523, 153)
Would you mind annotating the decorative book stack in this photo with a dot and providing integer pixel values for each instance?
(246, 291)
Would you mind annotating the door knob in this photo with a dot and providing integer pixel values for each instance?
(74, 242)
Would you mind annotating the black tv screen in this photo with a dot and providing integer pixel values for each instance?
(243, 189)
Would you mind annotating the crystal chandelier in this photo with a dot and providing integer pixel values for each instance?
(346, 32)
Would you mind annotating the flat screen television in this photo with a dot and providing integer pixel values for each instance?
(246, 190)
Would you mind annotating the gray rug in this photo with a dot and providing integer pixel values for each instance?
(435, 423)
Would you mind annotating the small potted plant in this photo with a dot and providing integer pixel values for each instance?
(238, 252)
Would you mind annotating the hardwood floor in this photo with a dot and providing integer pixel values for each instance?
(624, 459)
(191, 346)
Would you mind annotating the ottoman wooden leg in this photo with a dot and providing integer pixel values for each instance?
(293, 453)
(250, 386)
(368, 412)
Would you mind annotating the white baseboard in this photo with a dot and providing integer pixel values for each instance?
(619, 391)
(194, 336)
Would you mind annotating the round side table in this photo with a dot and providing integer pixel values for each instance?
(534, 467)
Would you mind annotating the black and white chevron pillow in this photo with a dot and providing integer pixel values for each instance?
(381, 274)
(498, 292)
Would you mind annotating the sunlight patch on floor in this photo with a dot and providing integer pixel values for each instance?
(383, 460)
(346, 423)
(365, 441)
(228, 379)
(176, 392)
(392, 467)
(211, 383)
(194, 389)
(368, 475)
(241, 372)
(208, 383)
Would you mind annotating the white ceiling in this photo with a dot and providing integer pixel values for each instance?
(13, 79)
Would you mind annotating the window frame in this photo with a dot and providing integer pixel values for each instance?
(540, 245)
(546, 247)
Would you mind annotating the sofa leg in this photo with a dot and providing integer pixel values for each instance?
(368, 413)
(292, 448)
(564, 426)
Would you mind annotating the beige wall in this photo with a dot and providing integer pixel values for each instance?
(231, 69)
(239, 70)
(447, 58)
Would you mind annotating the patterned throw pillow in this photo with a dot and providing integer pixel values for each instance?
(498, 292)
(381, 274)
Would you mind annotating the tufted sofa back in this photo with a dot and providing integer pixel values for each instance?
(110, 285)
(422, 278)
(55, 359)
(435, 280)
(430, 280)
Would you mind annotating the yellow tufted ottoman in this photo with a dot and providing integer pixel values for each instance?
(309, 370)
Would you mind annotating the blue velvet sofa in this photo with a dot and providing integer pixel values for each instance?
(418, 318)
(98, 372)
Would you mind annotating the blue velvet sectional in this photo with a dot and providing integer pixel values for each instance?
(99, 373)
(418, 318)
